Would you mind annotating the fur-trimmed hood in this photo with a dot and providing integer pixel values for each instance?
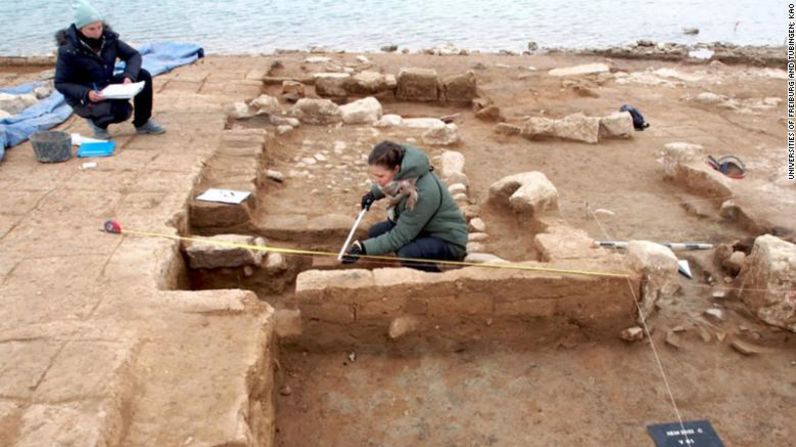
(69, 35)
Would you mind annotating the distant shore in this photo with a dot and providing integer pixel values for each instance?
(756, 55)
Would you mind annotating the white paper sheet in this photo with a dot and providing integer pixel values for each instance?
(78, 139)
(223, 196)
(122, 91)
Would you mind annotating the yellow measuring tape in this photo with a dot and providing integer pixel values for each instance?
(293, 251)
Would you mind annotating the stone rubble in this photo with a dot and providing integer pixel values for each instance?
(768, 279)
(265, 104)
(240, 110)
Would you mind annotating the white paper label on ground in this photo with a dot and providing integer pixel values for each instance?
(223, 196)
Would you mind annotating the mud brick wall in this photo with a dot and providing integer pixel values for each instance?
(350, 296)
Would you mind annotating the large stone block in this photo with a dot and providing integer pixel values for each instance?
(683, 163)
(418, 84)
(389, 120)
(577, 70)
(371, 83)
(265, 104)
(528, 192)
(317, 111)
(617, 125)
(293, 88)
(535, 197)
(363, 111)
(578, 127)
(450, 163)
(702, 180)
(334, 85)
(422, 123)
(441, 136)
(501, 190)
(658, 266)
(538, 127)
(460, 89)
(678, 153)
(220, 251)
(769, 281)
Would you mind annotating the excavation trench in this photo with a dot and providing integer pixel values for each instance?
(375, 354)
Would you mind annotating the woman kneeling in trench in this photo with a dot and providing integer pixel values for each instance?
(423, 221)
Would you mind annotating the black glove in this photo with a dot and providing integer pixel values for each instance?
(352, 254)
(367, 200)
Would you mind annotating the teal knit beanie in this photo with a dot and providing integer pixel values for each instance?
(84, 13)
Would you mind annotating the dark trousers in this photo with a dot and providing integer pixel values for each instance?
(423, 247)
(119, 110)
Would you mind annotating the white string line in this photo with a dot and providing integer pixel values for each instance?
(674, 200)
(669, 199)
(652, 344)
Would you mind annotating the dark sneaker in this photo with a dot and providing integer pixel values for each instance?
(150, 128)
(99, 132)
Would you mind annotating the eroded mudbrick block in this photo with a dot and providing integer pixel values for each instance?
(333, 286)
(418, 84)
(460, 89)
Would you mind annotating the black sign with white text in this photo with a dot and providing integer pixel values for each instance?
(690, 434)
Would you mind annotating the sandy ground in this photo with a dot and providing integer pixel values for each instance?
(592, 394)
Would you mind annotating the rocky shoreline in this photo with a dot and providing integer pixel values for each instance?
(728, 53)
(760, 56)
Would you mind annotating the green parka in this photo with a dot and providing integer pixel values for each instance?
(435, 212)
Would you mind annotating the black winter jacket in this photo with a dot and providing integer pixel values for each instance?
(79, 69)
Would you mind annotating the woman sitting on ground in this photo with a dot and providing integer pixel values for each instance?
(423, 221)
(87, 53)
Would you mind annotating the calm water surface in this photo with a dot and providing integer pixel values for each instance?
(255, 26)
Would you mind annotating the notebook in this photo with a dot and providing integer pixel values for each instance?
(122, 91)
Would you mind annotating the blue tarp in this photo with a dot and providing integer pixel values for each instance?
(45, 114)
(158, 58)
